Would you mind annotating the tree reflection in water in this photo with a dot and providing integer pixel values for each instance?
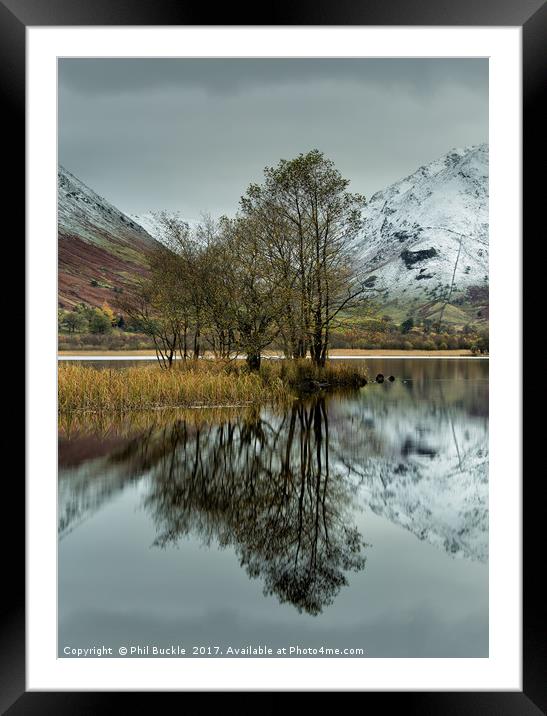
(264, 487)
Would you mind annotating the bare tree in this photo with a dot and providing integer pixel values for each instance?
(311, 222)
(186, 268)
(148, 305)
(253, 290)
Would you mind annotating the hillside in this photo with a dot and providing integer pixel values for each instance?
(100, 249)
(425, 240)
(423, 248)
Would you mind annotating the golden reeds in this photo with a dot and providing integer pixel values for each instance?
(193, 384)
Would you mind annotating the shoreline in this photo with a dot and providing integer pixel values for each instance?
(335, 354)
(342, 355)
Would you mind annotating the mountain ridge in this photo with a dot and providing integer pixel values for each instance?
(100, 249)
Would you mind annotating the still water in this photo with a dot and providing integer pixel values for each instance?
(355, 521)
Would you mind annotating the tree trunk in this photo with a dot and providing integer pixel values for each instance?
(318, 350)
(196, 343)
(301, 349)
(320, 360)
(185, 342)
(253, 361)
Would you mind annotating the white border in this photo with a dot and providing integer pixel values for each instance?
(502, 670)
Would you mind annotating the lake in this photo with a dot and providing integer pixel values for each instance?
(354, 521)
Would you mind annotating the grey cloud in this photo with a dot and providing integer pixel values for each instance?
(190, 134)
(114, 76)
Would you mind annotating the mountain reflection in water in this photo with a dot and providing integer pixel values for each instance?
(282, 487)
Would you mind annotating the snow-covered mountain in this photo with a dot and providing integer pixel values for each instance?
(425, 238)
(100, 247)
(81, 212)
(149, 223)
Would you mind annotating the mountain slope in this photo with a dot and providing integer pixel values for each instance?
(425, 238)
(149, 222)
(100, 248)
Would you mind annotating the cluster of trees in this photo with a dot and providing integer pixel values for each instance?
(281, 270)
(84, 318)
(412, 333)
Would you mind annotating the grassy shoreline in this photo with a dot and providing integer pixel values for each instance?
(196, 385)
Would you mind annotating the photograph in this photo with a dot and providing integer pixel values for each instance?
(273, 357)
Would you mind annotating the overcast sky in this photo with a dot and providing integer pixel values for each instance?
(191, 134)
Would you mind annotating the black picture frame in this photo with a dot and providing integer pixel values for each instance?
(531, 16)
